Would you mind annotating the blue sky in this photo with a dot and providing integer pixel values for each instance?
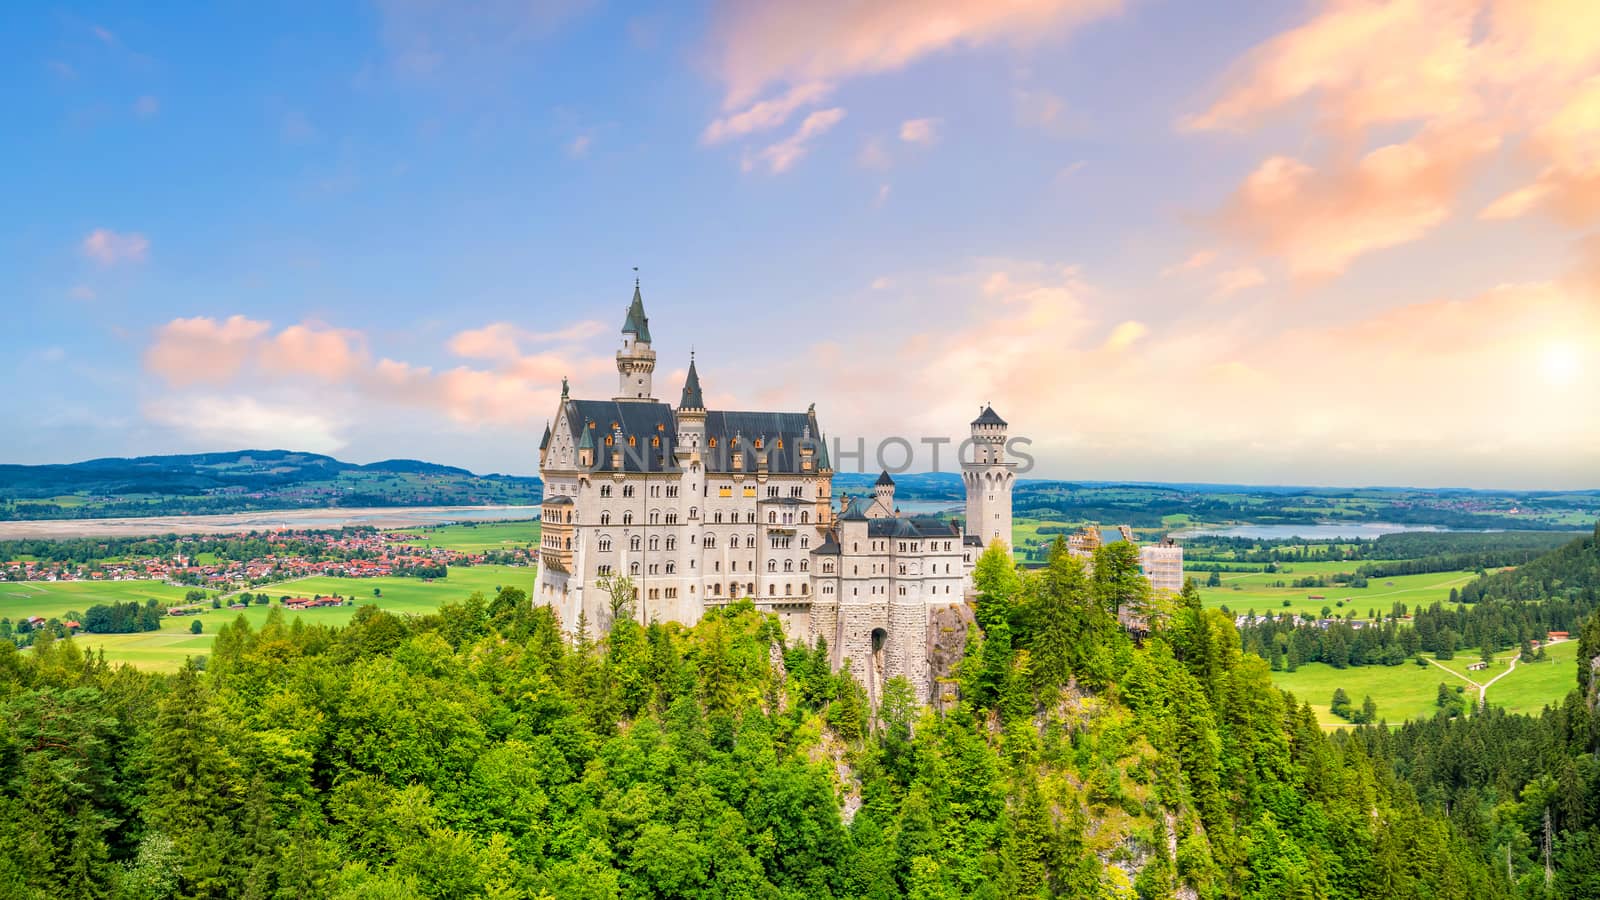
(1167, 240)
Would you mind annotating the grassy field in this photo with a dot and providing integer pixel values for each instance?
(1408, 692)
(165, 650)
(53, 599)
(470, 537)
(1243, 592)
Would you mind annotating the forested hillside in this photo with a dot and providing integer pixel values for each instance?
(242, 481)
(474, 753)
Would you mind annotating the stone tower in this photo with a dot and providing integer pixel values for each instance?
(988, 478)
(636, 362)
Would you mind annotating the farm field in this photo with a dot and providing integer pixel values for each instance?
(165, 650)
(470, 537)
(52, 599)
(1254, 593)
(1408, 692)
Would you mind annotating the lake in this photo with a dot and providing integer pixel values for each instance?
(1322, 531)
(270, 520)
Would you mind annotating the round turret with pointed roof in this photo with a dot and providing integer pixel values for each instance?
(989, 417)
(884, 480)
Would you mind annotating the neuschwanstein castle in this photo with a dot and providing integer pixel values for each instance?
(698, 507)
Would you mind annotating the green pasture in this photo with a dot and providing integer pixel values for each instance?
(1401, 692)
(1408, 692)
(470, 537)
(166, 649)
(1532, 686)
(53, 599)
(1243, 592)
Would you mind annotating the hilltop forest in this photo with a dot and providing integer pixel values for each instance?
(477, 753)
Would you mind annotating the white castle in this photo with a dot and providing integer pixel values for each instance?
(698, 507)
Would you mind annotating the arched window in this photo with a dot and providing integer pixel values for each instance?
(694, 512)
(805, 542)
(655, 543)
(627, 517)
(672, 543)
(605, 518)
(627, 490)
(605, 490)
(772, 565)
(805, 518)
(633, 568)
(805, 565)
(633, 542)
(788, 565)
(605, 543)
(711, 541)
(671, 567)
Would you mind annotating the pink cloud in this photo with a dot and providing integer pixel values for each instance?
(919, 131)
(761, 42)
(1318, 221)
(203, 350)
(107, 247)
(765, 114)
(781, 156)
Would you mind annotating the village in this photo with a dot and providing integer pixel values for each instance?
(204, 560)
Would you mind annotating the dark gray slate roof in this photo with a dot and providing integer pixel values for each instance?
(562, 500)
(988, 417)
(736, 432)
(641, 421)
(647, 420)
(910, 527)
(544, 442)
(830, 545)
(884, 479)
(853, 511)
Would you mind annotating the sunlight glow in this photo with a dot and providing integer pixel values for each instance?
(1560, 364)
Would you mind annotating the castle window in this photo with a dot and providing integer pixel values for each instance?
(608, 440)
(661, 427)
(805, 565)
(711, 541)
(605, 490)
(605, 518)
(633, 542)
(671, 568)
(805, 542)
(758, 443)
(713, 443)
(772, 565)
(627, 490)
(605, 544)
(655, 543)
(694, 513)
(672, 517)
(633, 568)
(602, 570)
(788, 565)
(805, 589)
(772, 590)
(627, 517)
(672, 543)
(772, 518)
(827, 589)
(780, 443)
(630, 440)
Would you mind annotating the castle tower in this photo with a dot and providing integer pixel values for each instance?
(883, 495)
(691, 422)
(988, 478)
(636, 362)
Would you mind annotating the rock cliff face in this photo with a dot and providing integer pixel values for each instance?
(947, 640)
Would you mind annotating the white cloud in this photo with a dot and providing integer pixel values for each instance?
(243, 421)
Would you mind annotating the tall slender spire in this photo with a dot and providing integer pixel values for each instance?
(637, 323)
(692, 397)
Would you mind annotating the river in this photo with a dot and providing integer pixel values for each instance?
(1322, 531)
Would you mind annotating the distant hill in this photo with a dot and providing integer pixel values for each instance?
(243, 481)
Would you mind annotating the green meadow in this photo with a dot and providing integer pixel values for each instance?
(477, 537)
(1245, 591)
(53, 599)
(165, 650)
(1408, 691)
